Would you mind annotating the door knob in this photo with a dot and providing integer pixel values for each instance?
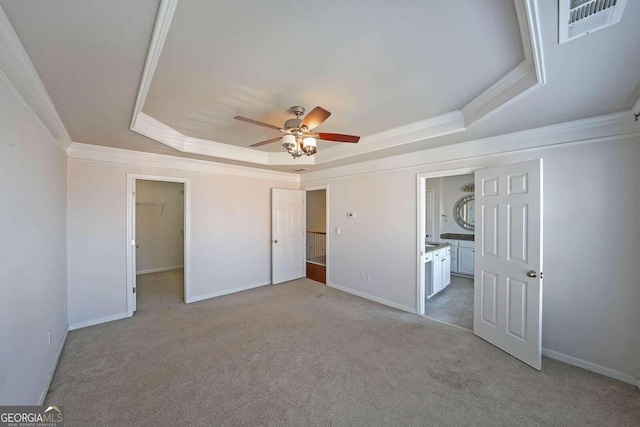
(275, 241)
(532, 273)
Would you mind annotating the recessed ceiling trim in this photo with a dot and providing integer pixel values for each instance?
(526, 77)
(158, 131)
(609, 127)
(519, 82)
(19, 71)
(430, 128)
(98, 153)
(166, 9)
(154, 129)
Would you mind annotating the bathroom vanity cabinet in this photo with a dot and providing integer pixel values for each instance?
(462, 255)
(437, 268)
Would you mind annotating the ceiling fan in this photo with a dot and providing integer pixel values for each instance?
(298, 137)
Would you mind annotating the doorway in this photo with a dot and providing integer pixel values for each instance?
(448, 238)
(316, 235)
(157, 241)
(507, 257)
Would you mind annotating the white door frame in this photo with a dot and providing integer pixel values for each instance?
(130, 238)
(326, 243)
(421, 188)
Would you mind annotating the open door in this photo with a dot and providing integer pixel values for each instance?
(288, 224)
(508, 266)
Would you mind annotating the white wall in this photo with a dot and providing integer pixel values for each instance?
(230, 229)
(32, 253)
(591, 244)
(451, 192)
(159, 225)
(317, 210)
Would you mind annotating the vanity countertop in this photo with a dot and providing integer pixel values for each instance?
(456, 236)
(430, 247)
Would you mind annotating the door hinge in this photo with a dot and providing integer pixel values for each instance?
(134, 289)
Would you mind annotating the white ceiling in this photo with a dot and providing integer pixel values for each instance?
(375, 67)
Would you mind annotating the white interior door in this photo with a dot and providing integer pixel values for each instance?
(288, 234)
(508, 259)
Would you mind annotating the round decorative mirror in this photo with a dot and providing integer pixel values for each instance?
(464, 212)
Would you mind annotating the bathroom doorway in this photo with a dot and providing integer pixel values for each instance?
(447, 246)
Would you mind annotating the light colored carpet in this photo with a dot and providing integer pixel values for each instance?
(454, 304)
(302, 353)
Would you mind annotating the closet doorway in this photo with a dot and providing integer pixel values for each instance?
(158, 241)
(316, 234)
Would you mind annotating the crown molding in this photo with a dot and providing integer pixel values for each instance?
(517, 83)
(19, 72)
(525, 78)
(595, 129)
(166, 9)
(154, 129)
(425, 129)
(102, 154)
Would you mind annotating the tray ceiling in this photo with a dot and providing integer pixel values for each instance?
(375, 68)
(401, 76)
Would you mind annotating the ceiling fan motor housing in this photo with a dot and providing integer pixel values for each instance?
(292, 123)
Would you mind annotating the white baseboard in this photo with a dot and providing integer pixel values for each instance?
(92, 322)
(52, 370)
(158, 270)
(630, 379)
(373, 298)
(227, 291)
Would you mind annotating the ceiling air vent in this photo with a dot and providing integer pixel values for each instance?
(581, 17)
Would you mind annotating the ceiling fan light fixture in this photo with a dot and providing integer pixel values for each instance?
(309, 146)
(289, 142)
(298, 138)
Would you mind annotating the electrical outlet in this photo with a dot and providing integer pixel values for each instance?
(244, 271)
(49, 338)
(367, 277)
(361, 275)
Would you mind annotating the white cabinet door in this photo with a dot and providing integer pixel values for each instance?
(436, 272)
(446, 270)
(508, 286)
(453, 265)
(288, 224)
(465, 261)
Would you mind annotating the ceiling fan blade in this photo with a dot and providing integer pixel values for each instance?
(255, 122)
(315, 117)
(338, 137)
(268, 141)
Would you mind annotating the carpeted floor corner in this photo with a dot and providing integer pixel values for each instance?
(301, 353)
